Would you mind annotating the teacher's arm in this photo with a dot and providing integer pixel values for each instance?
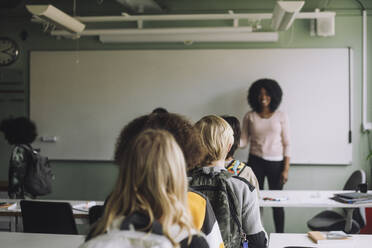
(286, 148)
(244, 138)
(284, 175)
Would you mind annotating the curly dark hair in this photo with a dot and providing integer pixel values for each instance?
(160, 110)
(183, 131)
(128, 135)
(19, 130)
(235, 125)
(273, 90)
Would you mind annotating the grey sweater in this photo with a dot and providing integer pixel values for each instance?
(249, 204)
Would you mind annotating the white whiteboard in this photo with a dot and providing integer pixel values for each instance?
(86, 97)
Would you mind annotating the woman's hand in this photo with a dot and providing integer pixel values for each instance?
(284, 177)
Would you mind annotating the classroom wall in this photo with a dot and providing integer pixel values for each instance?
(94, 180)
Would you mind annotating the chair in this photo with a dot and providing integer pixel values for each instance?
(333, 221)
(368, 228)
(48, 217)
(95, 213)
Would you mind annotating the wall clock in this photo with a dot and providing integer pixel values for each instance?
(9, 51)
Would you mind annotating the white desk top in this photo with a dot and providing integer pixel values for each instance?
(36, 240)
(17, 210)
(280, 240)
(305, 198)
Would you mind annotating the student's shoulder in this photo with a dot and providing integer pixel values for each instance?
(197, 199)
(197, 241)
(182, 237)
(20, 152)
(194, 193)
(20, 149)
(243, 182)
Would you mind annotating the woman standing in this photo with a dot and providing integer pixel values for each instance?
(266, 130)
(20, 133)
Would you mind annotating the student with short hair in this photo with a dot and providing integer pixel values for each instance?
(20, 133)
(150, 196)
(234, 200)
(189, 141)
(235, 166)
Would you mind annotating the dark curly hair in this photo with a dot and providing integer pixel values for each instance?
(273, 90)
(128, 135)
(160, 110)
(235, 125)
(19, 130)
(182, 130)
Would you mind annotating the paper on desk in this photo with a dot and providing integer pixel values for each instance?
(8, 205)
(324, 242)
(84, 206)
(13, 206)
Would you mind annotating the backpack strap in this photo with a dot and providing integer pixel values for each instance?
(236, 167)
(250, 186)
(230, 195)
(29, 149)
(245, 166)
(141, 221)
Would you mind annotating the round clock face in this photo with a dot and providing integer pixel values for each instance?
(8, 51)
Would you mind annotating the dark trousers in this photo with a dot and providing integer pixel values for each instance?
(272, 170)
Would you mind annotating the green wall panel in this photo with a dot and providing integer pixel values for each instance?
(93, 180)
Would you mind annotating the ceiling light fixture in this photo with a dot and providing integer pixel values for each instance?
(285, 13)
(56, 16)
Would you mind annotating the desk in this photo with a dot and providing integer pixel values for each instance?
(36, 240)
(13, 214)
(310, 199)
(280, 240)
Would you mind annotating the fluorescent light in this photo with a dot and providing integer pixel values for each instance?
(54, 15)
(163, 31)
(285, 13)
(176, 17)
(188, 35)
(192, 37)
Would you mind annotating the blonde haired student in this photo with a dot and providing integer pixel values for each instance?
(150, 195)
(234, 200)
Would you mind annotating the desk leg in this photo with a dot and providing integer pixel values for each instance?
(349, 219)
(13, 223)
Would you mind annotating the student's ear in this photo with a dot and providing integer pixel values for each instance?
(229, 148)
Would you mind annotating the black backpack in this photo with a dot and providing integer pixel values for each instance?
(38, 177)
(224, 203)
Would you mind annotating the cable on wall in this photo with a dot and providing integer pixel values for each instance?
(361, 4)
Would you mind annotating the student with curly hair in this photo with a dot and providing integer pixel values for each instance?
(150, 196)
(20, 133)
(189, 141)
(266, 129)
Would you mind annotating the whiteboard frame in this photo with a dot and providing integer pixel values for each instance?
(351, 79)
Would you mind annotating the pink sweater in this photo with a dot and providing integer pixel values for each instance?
(268, 137)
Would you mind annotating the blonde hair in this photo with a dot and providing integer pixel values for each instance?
(216, 135)
(152, 180)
